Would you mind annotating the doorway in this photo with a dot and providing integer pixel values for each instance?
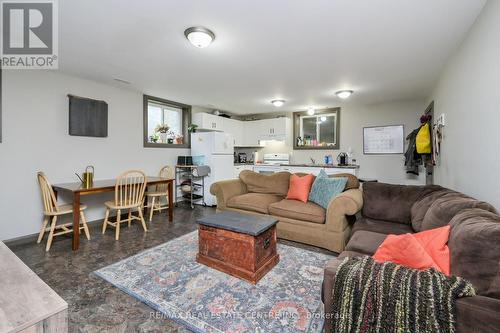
(427, 159)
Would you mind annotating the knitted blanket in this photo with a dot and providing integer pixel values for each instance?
(373, 297)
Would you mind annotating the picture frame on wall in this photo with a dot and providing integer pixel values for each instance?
(383, 140)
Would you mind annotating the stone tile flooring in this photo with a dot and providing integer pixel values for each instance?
(94, 304)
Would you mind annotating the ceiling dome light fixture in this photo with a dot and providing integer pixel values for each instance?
(278, 102)
(199, 36)
(343, 94)
(311, 111)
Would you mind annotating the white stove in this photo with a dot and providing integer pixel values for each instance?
(272, 163)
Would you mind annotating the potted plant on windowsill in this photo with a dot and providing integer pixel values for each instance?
(170, 137)
(192, 128)
(162, 129)
(154, 138)
(179, 138)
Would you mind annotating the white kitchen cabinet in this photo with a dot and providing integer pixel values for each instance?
(316, 170)
(245, 133)
(274, 128)
(333, 171)
(297, 169)
(240, 168)
(235, 128)
(208, 121)
(251, 132)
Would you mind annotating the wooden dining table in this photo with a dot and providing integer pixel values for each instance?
(102, 186)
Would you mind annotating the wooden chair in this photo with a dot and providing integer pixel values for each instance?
(52, 210)
(129, 195)
(159, 192)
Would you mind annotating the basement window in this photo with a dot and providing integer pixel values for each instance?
(166, 123)
(318, 131)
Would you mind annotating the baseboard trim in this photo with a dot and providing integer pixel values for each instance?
(32, 238)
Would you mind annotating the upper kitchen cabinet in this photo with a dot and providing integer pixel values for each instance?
(235, 128)
(274, 129)
(208, 121)
(251, 133)
(246, 133)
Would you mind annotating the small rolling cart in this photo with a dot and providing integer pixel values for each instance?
(190, 184)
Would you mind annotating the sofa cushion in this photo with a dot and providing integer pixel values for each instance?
(352, 180)
(257, 202)
(276, 183)
(478, 314)
(365, 242)
(380, 226)
(420, 250)
(350, 254)
(324, 189)
(445, 208)
(300, 186)
(475, 250)
(298, 210)
(420, 207)
(392, 202)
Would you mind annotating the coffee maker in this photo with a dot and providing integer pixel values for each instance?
(343, 159)
(242, 158)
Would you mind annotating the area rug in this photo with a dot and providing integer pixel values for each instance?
(168, 279)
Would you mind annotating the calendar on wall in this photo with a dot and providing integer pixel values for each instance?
(383, 140)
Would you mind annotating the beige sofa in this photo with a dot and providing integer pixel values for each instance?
(260, 194)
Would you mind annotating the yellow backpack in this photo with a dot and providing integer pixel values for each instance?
(424, 140)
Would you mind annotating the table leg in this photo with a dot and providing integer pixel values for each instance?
(76, 221)
(145, 203)
(170, 201)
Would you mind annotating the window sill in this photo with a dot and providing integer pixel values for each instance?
(335, 147)
(166, 145)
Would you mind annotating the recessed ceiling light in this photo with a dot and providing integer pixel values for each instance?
(311, 111)
(199, 36)
(344, 93)
(278, 102)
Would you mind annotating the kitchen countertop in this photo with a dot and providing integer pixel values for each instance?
(351, 166)
(238, 164)
(304, 165)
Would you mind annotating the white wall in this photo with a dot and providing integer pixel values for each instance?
(385, 168)
(35, 137)
(468, 94)
(35, 127)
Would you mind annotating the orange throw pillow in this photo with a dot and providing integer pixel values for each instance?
(300, 187)
(422, 250)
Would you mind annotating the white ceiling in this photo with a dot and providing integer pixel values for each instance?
(298, 50)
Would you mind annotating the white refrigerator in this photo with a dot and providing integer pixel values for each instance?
(218, 150)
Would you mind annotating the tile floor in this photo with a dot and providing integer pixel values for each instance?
(95, 305)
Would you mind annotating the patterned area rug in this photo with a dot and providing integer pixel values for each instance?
(169, 279)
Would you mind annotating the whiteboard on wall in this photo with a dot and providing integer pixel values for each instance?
(383, 139)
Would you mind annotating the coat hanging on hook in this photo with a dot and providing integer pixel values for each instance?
(424, 144)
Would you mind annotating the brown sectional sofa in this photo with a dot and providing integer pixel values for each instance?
(260, 194)
(474, 242)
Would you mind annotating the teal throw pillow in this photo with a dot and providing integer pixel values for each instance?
(324, 189)
(322, 173)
